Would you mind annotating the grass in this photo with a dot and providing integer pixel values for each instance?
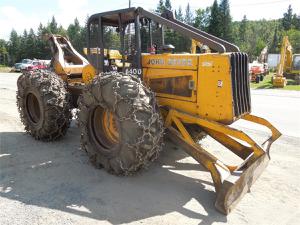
(4, 69)
(267, 84)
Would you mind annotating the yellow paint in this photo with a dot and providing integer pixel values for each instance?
(88, 73)
(252, 152)
(196, 44)
(210, 73)
(279, 81)
(66, 64)
(109, 53)
(285, 65)
(110, 127)
(153, 74)
(214, 77)
(191, 89)
(170, 61)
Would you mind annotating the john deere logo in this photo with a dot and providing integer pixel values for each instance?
(175, 62)
(156, 62)
(180, 62)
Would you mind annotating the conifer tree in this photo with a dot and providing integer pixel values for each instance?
(214, 27)
(287, 19)
(168, 5)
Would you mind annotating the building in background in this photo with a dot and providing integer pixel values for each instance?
(273, 60)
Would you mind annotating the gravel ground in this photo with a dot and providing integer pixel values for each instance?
(53, 183)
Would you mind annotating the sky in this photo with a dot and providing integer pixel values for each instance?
(25, 14)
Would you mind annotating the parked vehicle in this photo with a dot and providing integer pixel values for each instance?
(288, 66)
(21, 65)
(257, 71)
(36, 65)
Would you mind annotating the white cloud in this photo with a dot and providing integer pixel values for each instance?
(11, 17)
(65, 13)
(20, 17)
(68, 10)
(71, 4)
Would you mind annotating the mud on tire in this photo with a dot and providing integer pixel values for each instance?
(136, 116)
(43, 105)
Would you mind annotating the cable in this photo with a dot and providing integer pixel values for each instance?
(261, 3)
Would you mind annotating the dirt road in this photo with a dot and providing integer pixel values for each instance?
(53, 183)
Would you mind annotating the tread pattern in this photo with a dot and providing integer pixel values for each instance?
(54, 103)
(141, 125)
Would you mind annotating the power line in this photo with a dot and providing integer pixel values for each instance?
(261, 3)
(135, 3)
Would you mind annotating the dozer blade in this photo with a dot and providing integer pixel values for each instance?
(235, 186)
(231, 182)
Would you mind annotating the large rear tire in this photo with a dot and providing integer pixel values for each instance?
(43, 105)
(121, 126)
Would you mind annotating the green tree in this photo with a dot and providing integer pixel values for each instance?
(188, 19)
(242, 37)
(226, 26)
(53, 27)
(30, 45)
(168, 5)
(287, 19)
(3, 52)
(243, 28)
(259, 45)
(215, 22)
(42, 49)
(74, 29)
(294, 37)
(296, 21)
(275, 42)
(160, 7)
(179, 15)
(61, 31)
(202, 18)
(14, 47)
(74, 32)
(23, 46)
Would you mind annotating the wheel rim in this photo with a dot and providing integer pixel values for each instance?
(110, 126)
(33, 108)
(104, 128)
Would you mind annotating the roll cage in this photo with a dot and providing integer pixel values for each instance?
(121, 18)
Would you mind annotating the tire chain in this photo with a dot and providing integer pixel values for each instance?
(56, 103)
(152, 153)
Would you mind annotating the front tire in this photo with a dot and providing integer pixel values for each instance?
(121, 126)
(257, 79)
(262, 77)
(43, 105)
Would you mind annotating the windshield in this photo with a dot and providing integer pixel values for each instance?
(26, 61)
(296, 62)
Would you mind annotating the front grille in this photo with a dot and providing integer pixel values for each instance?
(240, 83)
